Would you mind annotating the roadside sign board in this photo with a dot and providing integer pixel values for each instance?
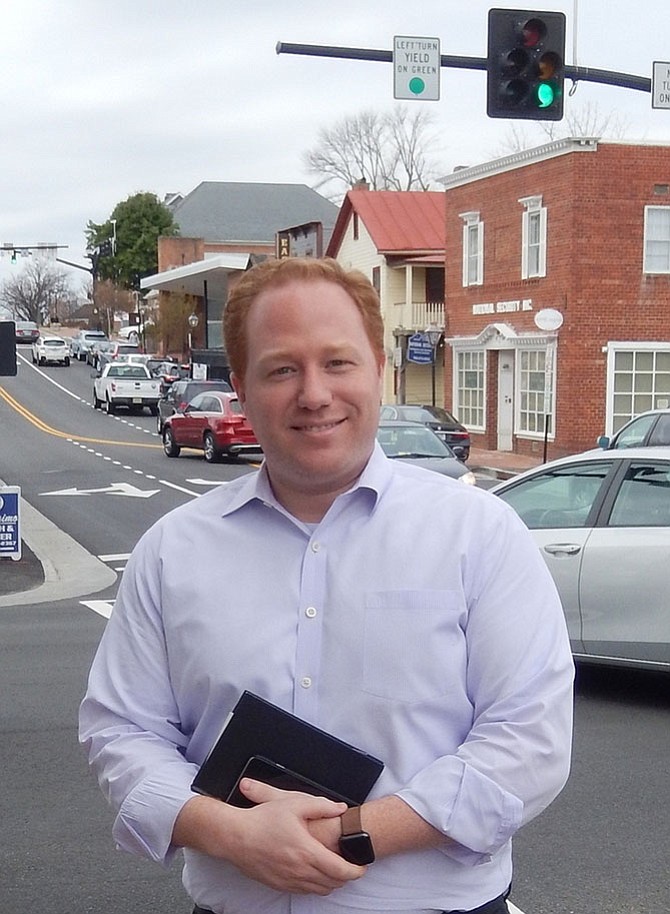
(660, 85)
(10, 531)
(420, 349)
(416, 68)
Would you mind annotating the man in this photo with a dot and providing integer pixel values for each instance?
(401, 611)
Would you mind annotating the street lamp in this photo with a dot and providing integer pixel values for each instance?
(193, 321)
(434, 335)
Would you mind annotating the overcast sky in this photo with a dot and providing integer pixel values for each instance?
(105, 98)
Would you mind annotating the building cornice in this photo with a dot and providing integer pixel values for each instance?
(519, 159)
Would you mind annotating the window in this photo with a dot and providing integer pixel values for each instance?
(640, 381)
(473, 249)
(470, 381)
(533, 238)
(531, 389)
(656, 239)
(558, 498)
(644, 497)
(355, 227)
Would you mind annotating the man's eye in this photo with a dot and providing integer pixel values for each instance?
(283, 369)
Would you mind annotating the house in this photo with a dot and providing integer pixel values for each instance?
(396, 238)
(225, 226)
(558, 292)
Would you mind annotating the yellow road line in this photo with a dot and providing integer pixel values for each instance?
(43, 427)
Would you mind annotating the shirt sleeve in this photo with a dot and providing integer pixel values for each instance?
(129, 721)
(516, 757)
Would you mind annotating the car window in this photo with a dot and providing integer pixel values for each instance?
(235, 407)
(635, 433)
(388, 412)
(561, 497)
(197, 403)
(643, 499)
(661, 432)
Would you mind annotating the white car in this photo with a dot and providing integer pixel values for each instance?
(52, 349)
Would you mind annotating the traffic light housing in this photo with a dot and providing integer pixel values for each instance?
(7, 349)
(525, 64)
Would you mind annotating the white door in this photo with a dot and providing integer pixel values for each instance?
(505, 399)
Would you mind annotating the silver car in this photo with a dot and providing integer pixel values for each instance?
(419, 445)
(602, 522)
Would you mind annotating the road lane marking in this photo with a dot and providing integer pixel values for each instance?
(101, 607)
(115, 488)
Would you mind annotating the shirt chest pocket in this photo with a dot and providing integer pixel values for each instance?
(413, 643)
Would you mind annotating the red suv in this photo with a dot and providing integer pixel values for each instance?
(212, 422)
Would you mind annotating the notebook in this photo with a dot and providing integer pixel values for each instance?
(257, 728)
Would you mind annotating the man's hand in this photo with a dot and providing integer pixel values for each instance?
(272, 842)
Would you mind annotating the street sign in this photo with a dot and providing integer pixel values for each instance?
(660, 85)
(416, 68)
(420, 349)
(10, 532)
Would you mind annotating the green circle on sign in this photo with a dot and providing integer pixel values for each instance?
(417, 85)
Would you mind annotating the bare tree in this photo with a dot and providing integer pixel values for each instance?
(386, 151)
(38, 292)
(588, 120)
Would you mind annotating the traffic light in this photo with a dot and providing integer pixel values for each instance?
(7, 348)
(525, 64)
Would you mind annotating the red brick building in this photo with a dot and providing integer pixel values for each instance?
(576, 231)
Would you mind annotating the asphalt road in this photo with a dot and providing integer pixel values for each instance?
(601, 847)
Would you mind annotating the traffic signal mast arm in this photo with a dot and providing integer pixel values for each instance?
(576, 74)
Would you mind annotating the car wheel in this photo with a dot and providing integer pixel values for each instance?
(153, 410)
(67, 361)
(96, 403)
(41, 361)
(159, 425)
(109, 407)
(171, 449)
(212, 453)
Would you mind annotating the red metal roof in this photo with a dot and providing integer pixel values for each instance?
(399, 221)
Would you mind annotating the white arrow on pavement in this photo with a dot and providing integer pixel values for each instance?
(208, 482)
(116, 488)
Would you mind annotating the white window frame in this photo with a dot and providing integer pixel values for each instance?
(656, 396)
(473, 249)
(458, 405)
(533, 253)
(660, 240)
(539, 410)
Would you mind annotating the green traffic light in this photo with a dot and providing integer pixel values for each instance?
(545, 95)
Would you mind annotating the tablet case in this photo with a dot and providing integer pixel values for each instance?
(259, 728)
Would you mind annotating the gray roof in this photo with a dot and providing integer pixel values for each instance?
(234, 211)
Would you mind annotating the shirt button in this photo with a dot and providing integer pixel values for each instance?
(310, 612)
(316, 547)
(306, 682)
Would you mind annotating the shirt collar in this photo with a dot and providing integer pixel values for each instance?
(375, 478)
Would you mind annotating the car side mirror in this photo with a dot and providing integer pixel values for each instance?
(603, 442)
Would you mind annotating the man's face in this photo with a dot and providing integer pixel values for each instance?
(311, 391)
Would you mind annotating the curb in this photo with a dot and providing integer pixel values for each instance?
(69, 569)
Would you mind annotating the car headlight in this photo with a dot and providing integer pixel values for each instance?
(468, 478)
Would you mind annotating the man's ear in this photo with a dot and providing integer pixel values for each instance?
(238, 387)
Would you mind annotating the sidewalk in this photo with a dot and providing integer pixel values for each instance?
(501, 464)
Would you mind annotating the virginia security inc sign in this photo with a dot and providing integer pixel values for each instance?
(10, 532)
(416, 68)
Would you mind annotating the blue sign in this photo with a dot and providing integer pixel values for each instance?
(10, 535)
(420, 349)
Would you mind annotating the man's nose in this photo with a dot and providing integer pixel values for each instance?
(315, 390)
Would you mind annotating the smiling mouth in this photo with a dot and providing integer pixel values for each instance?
(320, 427)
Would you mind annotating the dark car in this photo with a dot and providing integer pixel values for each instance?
(180, 393)
(446, 426)
(26, 331)
(212, 422)
(416, 444)
(649, 429)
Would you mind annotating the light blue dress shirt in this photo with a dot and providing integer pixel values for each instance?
(417, 620)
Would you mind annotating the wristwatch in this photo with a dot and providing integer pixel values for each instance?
(355, 844)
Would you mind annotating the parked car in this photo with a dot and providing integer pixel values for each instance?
(131, 334)
(439, 420)
(602, 523)
(167, 372)
(82, 340)
(649, 429)
(214, 423)
(52, 349)
(180, 393)
(26, 331)
(420, 446)
(96, 351)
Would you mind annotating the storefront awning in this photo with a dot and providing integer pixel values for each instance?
(191, 278)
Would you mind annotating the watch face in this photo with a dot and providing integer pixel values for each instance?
(357, 848)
